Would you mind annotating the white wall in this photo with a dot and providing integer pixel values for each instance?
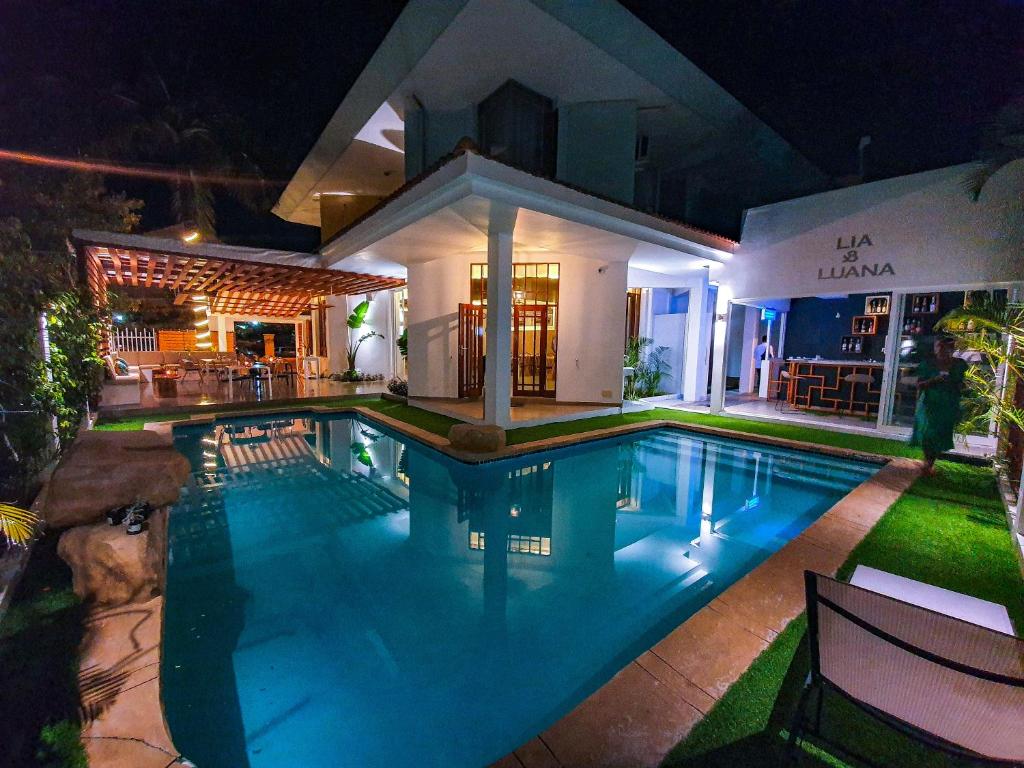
(374, 354)
(591, 328)
(591, 325)
(436, 288)
(924, 226)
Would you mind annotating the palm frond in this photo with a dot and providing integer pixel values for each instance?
(17, 525)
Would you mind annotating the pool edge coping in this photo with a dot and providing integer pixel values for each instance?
(541, 753)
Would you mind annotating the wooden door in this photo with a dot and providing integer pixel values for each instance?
(471, 350)
(534, 353)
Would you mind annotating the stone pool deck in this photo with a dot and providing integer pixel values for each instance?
(633, 720)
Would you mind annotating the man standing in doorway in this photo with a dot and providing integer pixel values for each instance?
(762, 351)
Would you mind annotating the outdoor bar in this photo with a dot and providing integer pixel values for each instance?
(859, 279)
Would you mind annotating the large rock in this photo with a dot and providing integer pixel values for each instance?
(108, 566)
(103, 470)
(475, 438)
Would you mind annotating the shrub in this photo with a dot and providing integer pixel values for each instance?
(397, 386)
(60, 746)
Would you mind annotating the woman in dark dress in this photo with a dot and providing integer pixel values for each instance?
(940, 384)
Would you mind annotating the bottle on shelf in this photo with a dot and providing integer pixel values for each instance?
(860, 346)
(932, 307)
(845, 345)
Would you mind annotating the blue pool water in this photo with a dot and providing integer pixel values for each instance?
(340, 596)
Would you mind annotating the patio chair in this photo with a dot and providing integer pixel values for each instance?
(188, 365)
(955, 686)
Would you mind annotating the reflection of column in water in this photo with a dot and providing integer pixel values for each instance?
(584, 497)
(497, 506)
(707, 504)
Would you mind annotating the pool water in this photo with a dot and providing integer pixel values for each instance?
(338, 595)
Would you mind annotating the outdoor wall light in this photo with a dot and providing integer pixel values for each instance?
(190, 236)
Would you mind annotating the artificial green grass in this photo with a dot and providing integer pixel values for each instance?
(39, 639)
(439, 425)
(417, 417)
(866, 443)
(948, 530)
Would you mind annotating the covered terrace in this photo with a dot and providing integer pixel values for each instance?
(225, 285)
(474, 235)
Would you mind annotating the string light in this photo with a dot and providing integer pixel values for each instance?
(202, 321)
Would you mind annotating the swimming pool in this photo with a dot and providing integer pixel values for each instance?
(335, 595)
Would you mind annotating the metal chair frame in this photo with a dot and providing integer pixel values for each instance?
(817, 684)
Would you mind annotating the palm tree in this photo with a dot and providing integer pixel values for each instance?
(174, 132)
(989, 331)
(17, 525)
(1002, 144)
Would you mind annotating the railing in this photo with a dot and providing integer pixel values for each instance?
(133, 340)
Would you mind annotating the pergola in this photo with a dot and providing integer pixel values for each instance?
(242, 281)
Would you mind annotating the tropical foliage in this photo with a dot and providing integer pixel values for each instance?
(989, 333)
(167, 128)
(40, 278)
(648, 368)
(17, 525)
(355, 322)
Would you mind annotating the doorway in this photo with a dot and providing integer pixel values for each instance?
(534, 330)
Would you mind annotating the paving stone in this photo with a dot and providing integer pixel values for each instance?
(710, 650)
(535, 754)
(631, 721)
(676, 683)
(120, 753)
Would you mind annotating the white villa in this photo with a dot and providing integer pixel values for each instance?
(523, 185)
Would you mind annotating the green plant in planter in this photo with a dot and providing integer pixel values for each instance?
(355, 322)
(648, 368)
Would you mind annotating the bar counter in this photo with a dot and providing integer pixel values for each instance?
(837, 386)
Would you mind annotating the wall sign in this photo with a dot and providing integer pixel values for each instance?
(851, 264)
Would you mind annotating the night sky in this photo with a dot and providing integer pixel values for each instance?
(920, 77)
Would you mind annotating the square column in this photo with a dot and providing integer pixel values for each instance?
(498, 371)
(695, 372)
(222, 334)
(718, 355)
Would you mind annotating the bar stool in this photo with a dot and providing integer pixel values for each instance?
(907, 383)
(853, 379)
(789, 381)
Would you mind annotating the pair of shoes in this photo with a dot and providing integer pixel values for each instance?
(132, 516)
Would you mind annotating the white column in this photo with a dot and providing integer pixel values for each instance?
(718, 354)
(891, 368)
(222, 333)
(695, 372)
(751, 326)
(498, 374)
